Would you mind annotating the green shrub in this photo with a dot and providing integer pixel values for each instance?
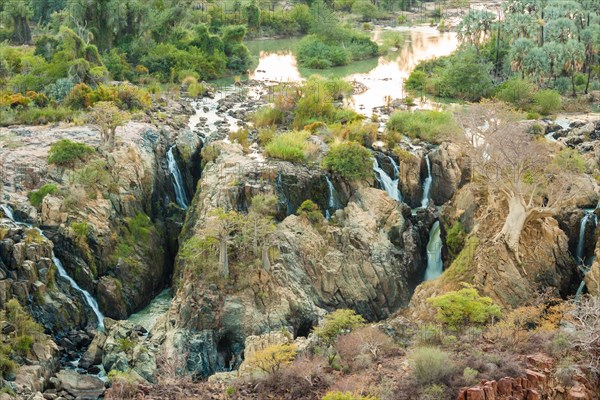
(458, 309)
(311, 211)
(125, 344)
(23, 345)
(428, 125)
(455, 239)
(7, 366)
(240, 136)
(516, 91)
(431, 365)
(350, 160)
(570, 160)
(265, 135)
(416, 81)
(547, 101)
(291, 146)
(80, 97)
(268, 116)
(36, 197)
(338, 322)
(66, 153)
(209, 153)
(433, 392)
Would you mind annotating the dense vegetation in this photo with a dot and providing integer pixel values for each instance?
(546, 45)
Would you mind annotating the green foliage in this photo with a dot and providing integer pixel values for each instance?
(272, 358)
(125, 344)
(457, 309)
(209, 154)
(350, 160)
(346, 396)
(547, 101)
(455, 239)
(338, 322)
(516, 91)
(428, 125)
(23, 345)
(290, 146)
(268, 116)
(570, 160)
(311, 211)
(430, 365)
(36, 197)
(66, 153)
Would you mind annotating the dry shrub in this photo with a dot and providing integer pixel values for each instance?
(309, 368)
(364, 346)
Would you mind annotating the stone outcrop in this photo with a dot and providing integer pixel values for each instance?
(537, 383)
(122, 270)
(369, 260)
(450, 169)
(28, 274)
(81, 387)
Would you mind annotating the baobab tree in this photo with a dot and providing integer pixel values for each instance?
(221, 226)
(517, 170)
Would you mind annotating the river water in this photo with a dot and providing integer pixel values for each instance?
(383, 76)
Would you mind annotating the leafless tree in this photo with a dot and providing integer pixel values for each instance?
(516, 168)
(587, 339)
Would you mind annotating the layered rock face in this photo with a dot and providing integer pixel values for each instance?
(28, 274)
(366, 259)
(113, 223)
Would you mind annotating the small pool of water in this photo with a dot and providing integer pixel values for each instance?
(150, 314)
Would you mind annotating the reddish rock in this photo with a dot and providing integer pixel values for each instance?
(537, 379)
(505, 386)
(579, 393)
(533, 394)
(475, 394)
(540, 361)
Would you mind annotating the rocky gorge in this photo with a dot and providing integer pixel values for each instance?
(125, 226)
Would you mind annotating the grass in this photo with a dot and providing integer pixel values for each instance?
(268, 116)
(428, 125)
(37, 116)
(291, 146)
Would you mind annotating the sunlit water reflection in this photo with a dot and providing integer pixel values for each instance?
(383, 77)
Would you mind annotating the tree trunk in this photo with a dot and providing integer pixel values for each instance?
(21, 31)
(573, 83)
(223, 259)
(514, 224)
(590, 66)
(111, 140)
(266, 263)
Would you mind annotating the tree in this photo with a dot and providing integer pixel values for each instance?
(272, 358)
(573, 57)
(221, 225)
(475, 27)
(517, 170)
(536, 64)
(519, 53)
(337, 323)
(17, 13)
(462, 307)
(259, 224)
(554, 54)
(108, 117)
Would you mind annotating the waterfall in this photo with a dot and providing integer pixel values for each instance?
(580, 256)
(333, 203)
(435, 267)
(389, 185)
(180, 195)
(89, 299)
(427, 184)
(580, 252)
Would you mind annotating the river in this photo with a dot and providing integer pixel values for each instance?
(383, 76)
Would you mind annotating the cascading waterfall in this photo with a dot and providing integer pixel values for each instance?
(89, 299)
(389, 185)
(435, 266)
(180, 195)
(333, 203)
(580, 252)
(427, 184)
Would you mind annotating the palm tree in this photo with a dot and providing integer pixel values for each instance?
(574, 57)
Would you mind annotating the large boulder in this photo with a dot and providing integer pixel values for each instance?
(450, 169)
(82, 387)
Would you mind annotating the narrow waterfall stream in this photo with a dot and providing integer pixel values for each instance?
(435, 266)
(583, 263)
(180, 195)
(333, 203)
(389, 185)
(427, 184)
(89, 299)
